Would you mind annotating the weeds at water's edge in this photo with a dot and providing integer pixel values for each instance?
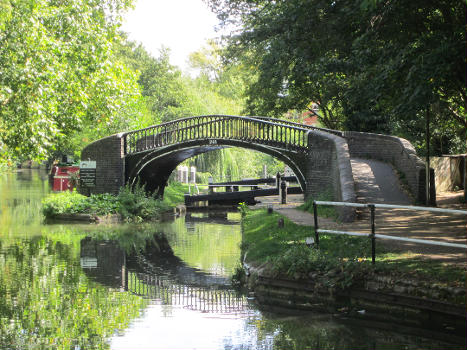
(133, 204)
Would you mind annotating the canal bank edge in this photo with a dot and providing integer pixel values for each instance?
(379, 298)
(110, 218)
(379, 295)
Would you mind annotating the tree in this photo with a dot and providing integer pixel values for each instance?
(290, 43)
(371, 65)
(58, 74)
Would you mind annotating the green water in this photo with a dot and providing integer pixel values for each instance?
(151, 286)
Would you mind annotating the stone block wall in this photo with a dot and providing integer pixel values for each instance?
(391, 149)
(328, 171)
(110, 164)
(449, 172)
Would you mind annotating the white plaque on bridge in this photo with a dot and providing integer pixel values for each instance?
(87, 173)
(87, 164)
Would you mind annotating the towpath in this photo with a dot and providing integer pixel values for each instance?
(377, 182)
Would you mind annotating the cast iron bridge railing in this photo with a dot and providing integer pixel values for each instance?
(271, 132)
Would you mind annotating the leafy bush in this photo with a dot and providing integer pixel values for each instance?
(64, 202)
(132, 204)
(136, 205)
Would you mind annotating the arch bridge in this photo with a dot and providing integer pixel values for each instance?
(319, 157)
(153, 153)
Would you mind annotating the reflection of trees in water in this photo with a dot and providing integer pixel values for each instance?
(155, 272)
(47, 303)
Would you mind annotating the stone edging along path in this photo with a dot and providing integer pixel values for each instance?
(382, 299)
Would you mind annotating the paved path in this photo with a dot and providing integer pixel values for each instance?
(377, 182)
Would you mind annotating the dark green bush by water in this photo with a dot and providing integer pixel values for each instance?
(132, 204)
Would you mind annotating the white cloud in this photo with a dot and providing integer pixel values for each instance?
(181, 25)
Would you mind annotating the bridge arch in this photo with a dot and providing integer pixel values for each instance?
(153, 153)
(319, 157)
(153, 168)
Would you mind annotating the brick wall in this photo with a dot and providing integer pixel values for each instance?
(328, 170)
(391, 149)
(110, 164)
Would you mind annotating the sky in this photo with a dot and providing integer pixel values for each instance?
(181, 25)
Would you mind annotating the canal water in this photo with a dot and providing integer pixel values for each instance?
(147, 286)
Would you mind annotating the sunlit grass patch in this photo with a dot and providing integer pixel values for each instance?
(347, 257)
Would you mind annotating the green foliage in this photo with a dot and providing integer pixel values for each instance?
(325, 211)
(132, 204)
(243, 209)
(75, 203)
(48, 302)
(234, 164)
(64, 202)
(369, 65)
(59, 75)
(283, 248)
(136, 205)
(174, 193)
(300, 260)
(238, 277)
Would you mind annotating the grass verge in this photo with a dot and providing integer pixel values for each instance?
(325, 211)
(340, 261)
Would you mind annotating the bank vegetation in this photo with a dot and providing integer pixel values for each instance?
(274, 247)
(130, 205)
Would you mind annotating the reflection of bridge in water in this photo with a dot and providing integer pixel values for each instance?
(161, 276)
(204, 299)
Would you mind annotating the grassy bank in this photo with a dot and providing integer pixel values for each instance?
(133, 205)
(340, 261)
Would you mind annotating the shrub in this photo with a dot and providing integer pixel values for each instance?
(137, 205)
(132, 204)
(64, 202)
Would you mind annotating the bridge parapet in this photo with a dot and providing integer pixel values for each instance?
(394, 150)
(277, 133)
(329, 171)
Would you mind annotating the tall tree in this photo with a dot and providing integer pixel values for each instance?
(58, 74)
(371, 65)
